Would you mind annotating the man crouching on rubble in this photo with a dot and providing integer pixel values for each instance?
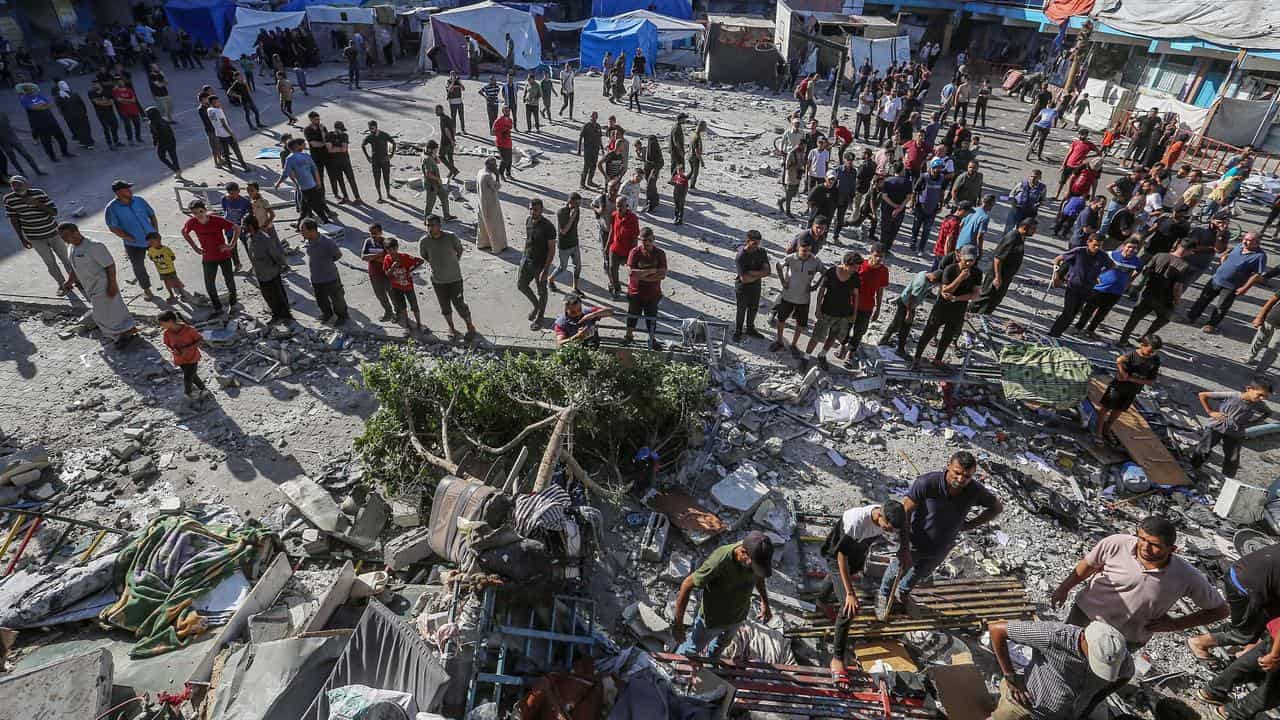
(1072, 669)
(726, 578)
(937, 505)
(848, 545)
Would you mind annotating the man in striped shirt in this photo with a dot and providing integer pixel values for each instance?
(1072, 669)
(33, 216)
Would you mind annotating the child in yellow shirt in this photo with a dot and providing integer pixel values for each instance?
(163, 257)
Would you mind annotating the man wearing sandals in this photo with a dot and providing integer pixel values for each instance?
(1132, 581)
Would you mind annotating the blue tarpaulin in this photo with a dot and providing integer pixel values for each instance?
(208, 21)
(682, 9)
(606, 35)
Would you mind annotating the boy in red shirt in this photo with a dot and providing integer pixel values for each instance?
(184, 341)
(679, 191)
(948, 233)
(130, 110)
(502, 128)
(623, 234)
(873, 276)
(399, 268)
(215, 250)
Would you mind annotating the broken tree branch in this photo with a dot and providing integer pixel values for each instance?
(552, 453)
(578, 472)
(444, 428)
(539, 403)
(511, 445)
(416, 443)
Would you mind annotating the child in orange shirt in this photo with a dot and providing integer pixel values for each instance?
(184, 341)
(1109, 139)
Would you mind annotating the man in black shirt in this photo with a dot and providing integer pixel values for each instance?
(1005, 263)
(836, 295)
(539, 251)
(1144, 134)
(1122, 190)
(752, 264)
(959, 284)
(1165, 278)
(823, 198)
(1134, 370)
(893, 206)
(567, 241)
(448, 140)
(816, 235)
(590, 140)
(105, 108)
(378, 147)
(1252, 589)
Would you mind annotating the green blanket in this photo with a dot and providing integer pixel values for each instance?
(165, 569)
(1053, 376)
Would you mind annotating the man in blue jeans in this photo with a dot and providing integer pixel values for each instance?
(726, 578)
(937, 506)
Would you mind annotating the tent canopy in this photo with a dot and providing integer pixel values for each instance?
(492, 22)
(669, 28)
(615, 36)
(340, 15)
(250, 22)
(208, 21)
(296, 5)
(682, 9)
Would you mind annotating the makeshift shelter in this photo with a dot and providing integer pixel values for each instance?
(611, 36)
(490, 23)
(208, 21)
(443, 49)
(250, 22)
(682, 9)
(330, 24)
(670, 29)
(740, 50)
(297, 5)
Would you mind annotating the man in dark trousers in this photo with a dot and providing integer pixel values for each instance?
(752, 265)
(539, 251)
(958, 284)
(1005, 263)
(1252, 589)
(1236, 412)
(1165, 277)
(590, 140)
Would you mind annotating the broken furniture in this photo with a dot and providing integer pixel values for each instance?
(962, 604)
(798, 691)
(1141, 442)
(255, 359)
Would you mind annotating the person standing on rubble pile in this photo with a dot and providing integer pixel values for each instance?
(1132, 581)
(837, 293)
(752, 263)
(1258, 664)
(937, 507)
(909, 301)
(798, 272)
(1005, 263)
(1236, 413)
(958, 283)
(1134, 370)
(1252, 589)
(1072, 669)
(846, 548)
(727, 579)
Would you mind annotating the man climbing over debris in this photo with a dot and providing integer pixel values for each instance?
(848, 545)
(1235, 414)
(937, 506)
(1252, 589)
(1132, 581)
(1072, 669)
(726, 578)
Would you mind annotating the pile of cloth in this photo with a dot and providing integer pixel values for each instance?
(175, 560)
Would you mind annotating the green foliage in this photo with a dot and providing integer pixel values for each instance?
(645, 400)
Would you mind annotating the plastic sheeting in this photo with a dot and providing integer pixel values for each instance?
(384, 652)
(261, 681)
(340, 15)
(669, 28)
(1059, 10)
(208, 21)
(682, 9)
(1233, 23)
(1237, 121)
(452, 54)
(491, 22)
(603, 35)
(882, 52)
(296, 5)
(250, 22)
(1104, 97)
(1190, 117)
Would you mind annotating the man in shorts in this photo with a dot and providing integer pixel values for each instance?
(836, 294)
(798, 272)
(1134, 370)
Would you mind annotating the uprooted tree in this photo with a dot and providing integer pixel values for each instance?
(589, 409)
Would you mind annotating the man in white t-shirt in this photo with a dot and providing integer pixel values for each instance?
(890, 106)
(847, 547)
(222, 129)
(816, 164)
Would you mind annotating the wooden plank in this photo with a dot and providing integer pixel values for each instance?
(962, 691)
(334, 597)
(892, 653)
(686, 514)
(1141, 442)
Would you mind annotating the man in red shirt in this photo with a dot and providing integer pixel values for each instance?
(873, 276)
(648, 266)
(623, 232)
(948, 233)
(215, 250)
(1077, 153)
(502, 138)
(130, 110)
(914, 152)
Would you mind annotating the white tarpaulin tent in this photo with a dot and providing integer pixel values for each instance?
(1231, 23)
(493, 22)
(250, 22)
(669, 28)
(340, 15)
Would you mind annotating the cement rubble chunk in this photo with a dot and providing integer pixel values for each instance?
(407, 548)
(313, 501)
(24, 479)
(32, 458)
(741, 489)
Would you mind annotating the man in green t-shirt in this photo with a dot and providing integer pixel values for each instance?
(726, 578)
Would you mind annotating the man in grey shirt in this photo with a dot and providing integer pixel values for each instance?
(1072, 669)
(267, 259)
(322, 256)
(442, 249)
(1235, 414)
(799, 273)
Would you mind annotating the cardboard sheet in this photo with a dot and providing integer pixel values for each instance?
(962, 691)
(894, 654)
(686, 514)
(1141, 442)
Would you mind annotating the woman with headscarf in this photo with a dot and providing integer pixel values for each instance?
(491, 227)
(44, 124)
(652, 169)
(75, 113)
(164, 140)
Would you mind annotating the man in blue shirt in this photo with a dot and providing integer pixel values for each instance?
(1114, 280)
(301, 169)
(132, 219)
(1239, 270)
(973, 229)
(1025, 200)
(1084, 265)
(928, 193)
(1040, 131)
(1088, 222)
(234, 208)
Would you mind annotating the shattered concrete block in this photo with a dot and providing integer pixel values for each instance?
(24, 479)
(110, 418)
(408, 548)
(313, 501)
(678, 568)
(404, 515)
(314, 542)
(741, 489)
(171, 505)
(125, 450)
(645, 621)
(43, 492)
(773, 516)
(166, 459)
(1240, 502)
(141, 469)
(371, 518)
(23, 461)
(134, 433)
(773, 446)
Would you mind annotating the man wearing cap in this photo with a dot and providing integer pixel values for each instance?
(823, 198)
(94, 270)
(34, 219)
(132, 219)
(1072, 669)
(726, 579)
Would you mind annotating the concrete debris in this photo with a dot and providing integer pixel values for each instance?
(404, 515)
(678, 568)
(646, 622)
(25, 478)
(22, 463)
(407, 548)
(740, 490)
(314, 502)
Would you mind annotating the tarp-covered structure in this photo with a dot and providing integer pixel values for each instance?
(490, 23)
(682, 9)
(296, 5)
(333, 26)
(670, 29)
(250, 22)
(740, 50)
(613, 36)
(443, 49)
(208, 21)
(1249, 24)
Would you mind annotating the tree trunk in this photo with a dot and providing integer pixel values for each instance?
(552, 453)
